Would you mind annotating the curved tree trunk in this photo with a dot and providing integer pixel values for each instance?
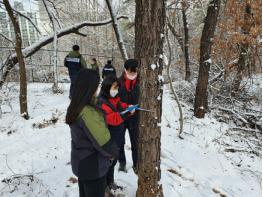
(149, 37)
(117, 31)
(21, 62)
(55, 48)
(181, 119)
(200, 105)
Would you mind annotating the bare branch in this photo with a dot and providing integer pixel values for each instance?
(218, 76)
(29, 19)
(5, 37)
(57, 13)
(30, 50)
(58, 21)
(234, 113)
(176, 35)
(51, 16)
(26, 17)
(81, 34)
(117, 31)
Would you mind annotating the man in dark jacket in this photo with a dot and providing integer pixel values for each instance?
(74, 62)
(108, 69)
(129, 93)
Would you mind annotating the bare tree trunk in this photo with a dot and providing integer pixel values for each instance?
(21, 62)
(55, 64)
(117, 31)
(183, 42)
(97, 28)
(176, 35)
(244, 56)
(186, 42)
(149, 37)
(55, 48)
(241, 66)
(200, 105)
(181, 119)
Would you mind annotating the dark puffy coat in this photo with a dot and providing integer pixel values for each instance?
(91, 145)
(74, 62)
(108, 69)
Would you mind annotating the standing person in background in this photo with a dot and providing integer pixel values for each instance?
(129, 93)
(108, 69)
(92, 148)
(74, 62)
(94, 65)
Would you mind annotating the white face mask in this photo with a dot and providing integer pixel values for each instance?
(113, 93)
(131, 77)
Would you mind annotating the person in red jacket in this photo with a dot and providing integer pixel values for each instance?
(110, 103)
(129, 92)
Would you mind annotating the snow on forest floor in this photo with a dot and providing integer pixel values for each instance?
(38, 152)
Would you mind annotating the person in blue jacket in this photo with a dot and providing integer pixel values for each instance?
(108, 69)
(92, 148)
(74, 62)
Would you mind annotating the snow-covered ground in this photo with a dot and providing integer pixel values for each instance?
(197, 165)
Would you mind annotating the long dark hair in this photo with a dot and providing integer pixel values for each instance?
(106, 86)
(86, 85)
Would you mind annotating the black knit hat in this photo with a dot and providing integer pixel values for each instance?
(75, 47)
(109, 62)
(131, 64)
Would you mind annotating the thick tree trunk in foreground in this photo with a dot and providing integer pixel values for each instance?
(200, 105)
(21, 62)
(149, 37)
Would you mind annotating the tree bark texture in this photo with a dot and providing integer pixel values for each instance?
(186, 43)
(20, 59)
(200, 105)
(244, 50)
(149, 37)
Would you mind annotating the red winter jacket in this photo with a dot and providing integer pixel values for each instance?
(129, 90)
(112, 108)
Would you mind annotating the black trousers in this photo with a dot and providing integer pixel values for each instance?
(117, 135)
(72, 87)
(92, 188)
(110, 174)
(132, 124)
